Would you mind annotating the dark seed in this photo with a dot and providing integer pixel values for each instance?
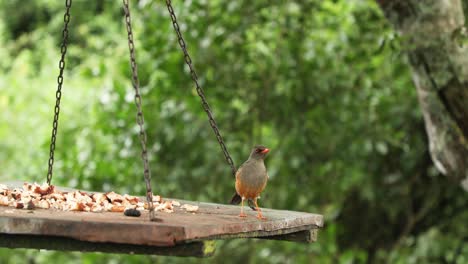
(132, 212)
(30, 205)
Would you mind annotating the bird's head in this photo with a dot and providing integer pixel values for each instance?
(259, 152)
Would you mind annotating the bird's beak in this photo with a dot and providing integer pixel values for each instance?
(265, 151)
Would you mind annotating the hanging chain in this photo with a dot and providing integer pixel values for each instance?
(200, 91)
(58, 94)
(139, 117)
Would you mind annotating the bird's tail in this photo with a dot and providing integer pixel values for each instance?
(236, 199)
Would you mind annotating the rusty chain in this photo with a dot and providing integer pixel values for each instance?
(200, 92)
(138, 100)
(58, 93)
(139, 117)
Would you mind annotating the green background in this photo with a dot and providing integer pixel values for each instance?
(324, 84)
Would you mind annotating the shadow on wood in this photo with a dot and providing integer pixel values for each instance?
(193, 249)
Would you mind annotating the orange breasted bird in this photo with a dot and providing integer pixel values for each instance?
(251, 179)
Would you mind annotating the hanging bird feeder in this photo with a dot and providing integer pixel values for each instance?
(49, 217)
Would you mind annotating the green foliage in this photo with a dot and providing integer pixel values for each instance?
(322, 83)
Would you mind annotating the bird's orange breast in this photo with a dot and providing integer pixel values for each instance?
(247, 189)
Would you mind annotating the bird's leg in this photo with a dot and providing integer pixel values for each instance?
(259, 216)
(242, 209)
(257, 208)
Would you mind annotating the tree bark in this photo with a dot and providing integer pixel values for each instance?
(431, 33)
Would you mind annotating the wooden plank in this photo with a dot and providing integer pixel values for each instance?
(306, 236)
(194, 249)
(211, 221)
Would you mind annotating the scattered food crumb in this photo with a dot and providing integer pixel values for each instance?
(157, 199)
(44, 196)
(189, 207)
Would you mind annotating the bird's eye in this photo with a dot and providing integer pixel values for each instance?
(258, 150)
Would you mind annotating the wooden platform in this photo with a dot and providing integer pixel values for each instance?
(180, 233)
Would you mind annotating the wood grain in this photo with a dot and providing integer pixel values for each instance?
(211, 221)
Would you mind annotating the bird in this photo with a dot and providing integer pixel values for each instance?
(251, 180)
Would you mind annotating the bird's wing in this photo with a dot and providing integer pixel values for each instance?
(238, 172)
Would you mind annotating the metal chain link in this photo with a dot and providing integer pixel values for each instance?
(139, 117)
(200, 92)
(58, 94)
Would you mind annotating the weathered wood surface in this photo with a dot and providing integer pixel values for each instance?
(211, 221)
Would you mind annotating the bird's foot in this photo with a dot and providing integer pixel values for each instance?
(242, 215)
(261, 217)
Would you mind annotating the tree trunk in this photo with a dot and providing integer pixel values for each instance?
(432, 32)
